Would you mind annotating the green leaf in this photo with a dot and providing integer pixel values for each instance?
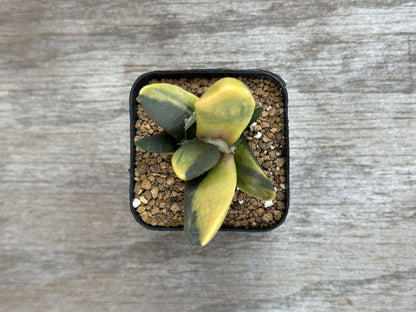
(190, 133)
(158, 143)
(194, 158)
(168, 106)
(224, 110)
(256, 114)
(251, 179)
(207, 200)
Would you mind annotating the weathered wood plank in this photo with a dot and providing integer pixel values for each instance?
(67, 239)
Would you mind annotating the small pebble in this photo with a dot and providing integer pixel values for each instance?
(279, 162)
(154, 192)
(260, 211)
(267, 217)
(273, 112)
(252, 126)
(147, 195)
(280, 196)
(268, 203)
(259, 91)
(281, 205)
(277, 214)
(257, 127)
(143, 200)
(136, 202)
(175, 207)
(258, 135)
(146, 184)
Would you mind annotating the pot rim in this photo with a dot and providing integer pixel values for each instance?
(144, 79)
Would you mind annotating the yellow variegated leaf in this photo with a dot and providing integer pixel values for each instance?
(194, 158)
(168, 106)
(251, 178)
(207, 201)
(224, 110)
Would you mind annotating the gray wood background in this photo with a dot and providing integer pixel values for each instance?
(68, 241)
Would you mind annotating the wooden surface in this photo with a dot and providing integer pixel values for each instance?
(68, 241)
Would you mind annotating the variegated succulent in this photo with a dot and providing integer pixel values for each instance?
(209, 154)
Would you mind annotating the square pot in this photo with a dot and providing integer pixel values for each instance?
(150, 203)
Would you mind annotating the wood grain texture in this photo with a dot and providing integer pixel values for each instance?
(67, 239)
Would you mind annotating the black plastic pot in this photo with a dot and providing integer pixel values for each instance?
(208, 73)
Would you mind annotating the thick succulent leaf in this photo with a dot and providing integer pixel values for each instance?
(207, 201)
(190, 133)
(168, 106)
(251, 179)
(256, 114)
(194, 158)
(224, 110)
(158, 143)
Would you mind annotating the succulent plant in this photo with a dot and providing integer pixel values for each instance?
(209, 154)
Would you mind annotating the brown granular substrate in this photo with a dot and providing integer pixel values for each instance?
(161, 193)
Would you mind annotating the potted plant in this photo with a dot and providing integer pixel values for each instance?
(212, 131)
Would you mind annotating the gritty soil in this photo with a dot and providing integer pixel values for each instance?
(161, 193)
